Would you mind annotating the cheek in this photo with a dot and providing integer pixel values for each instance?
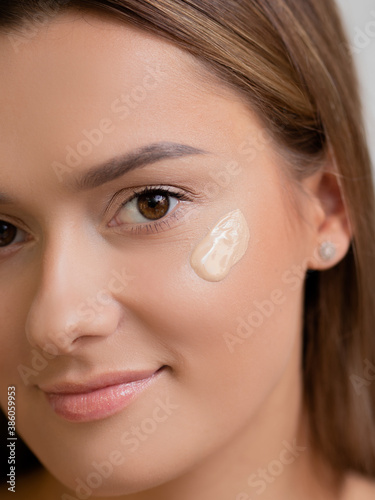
(232, 339)
(228, 343)
(15, 293)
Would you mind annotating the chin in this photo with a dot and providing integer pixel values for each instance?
(104, 480)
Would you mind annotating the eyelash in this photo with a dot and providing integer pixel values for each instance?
(9, 249)
(158, 225)
(151, 227)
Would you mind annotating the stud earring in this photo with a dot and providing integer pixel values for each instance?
(327, 250)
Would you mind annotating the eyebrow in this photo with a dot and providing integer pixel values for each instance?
(120, 165)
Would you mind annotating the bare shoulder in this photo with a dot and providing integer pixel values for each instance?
(358, 488)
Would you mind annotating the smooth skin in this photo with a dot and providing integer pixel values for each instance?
(235, 408)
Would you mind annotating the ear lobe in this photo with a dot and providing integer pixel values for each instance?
(331, 221)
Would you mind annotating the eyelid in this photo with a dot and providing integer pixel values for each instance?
(188, 191)
(170, 192)
(14, 246)
(137, 227)
(133, 192)
(15, 221)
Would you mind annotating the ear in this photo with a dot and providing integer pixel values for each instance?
(331, 224)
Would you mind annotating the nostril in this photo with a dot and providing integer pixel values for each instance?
(53, 320)
(67, 337)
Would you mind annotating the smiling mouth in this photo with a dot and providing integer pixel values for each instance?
(100, 398)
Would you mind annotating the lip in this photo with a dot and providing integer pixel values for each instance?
(98, 398)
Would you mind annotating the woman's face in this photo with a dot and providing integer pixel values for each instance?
(93, 284)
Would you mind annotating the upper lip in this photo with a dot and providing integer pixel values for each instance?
(98, 382)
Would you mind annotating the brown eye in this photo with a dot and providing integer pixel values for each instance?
(148, 206)
(8, 233)
(153, 206)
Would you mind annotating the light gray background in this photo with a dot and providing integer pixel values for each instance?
(359, 17)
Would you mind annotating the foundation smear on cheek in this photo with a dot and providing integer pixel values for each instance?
(222, 248)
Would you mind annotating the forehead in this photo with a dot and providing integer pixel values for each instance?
(80, 69)
(82, 63)
(85, 61)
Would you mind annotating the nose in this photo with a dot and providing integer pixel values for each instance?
(74, 300)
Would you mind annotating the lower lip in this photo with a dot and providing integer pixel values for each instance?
(99, 404)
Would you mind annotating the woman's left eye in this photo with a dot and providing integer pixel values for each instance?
(148, 206)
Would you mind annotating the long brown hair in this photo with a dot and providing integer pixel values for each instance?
(289, 61)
